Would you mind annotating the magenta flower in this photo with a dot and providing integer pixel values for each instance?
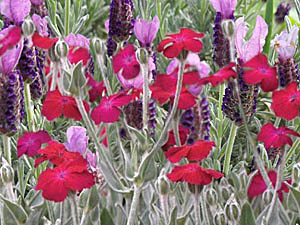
(15, 10)
(9, 38)
(30, 142)
(247, 50)
(225, 7)
(146, 31)
(77, 139)
(40, 24)
(285, 43)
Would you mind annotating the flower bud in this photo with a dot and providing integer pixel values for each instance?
(163, 185)
(28, 28)
(98, 45)
(192, 188)
(7, 173)
(142, 55)
(296, 174)
(211, 196)
(232, 209)
(228, 28)
(226, 192)
(267, 197)
(61, 49)
(1, 24)
(220, 218)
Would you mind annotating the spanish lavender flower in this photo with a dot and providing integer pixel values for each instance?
(15, 10)
(27, 64)
(282, 11)
(120, 23)
(197, 120)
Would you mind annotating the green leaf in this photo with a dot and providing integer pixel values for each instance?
(247, 216)
(105, 218)
(173, 216)
(13, 214)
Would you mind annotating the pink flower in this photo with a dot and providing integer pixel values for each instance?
(275, 138)
(30, 142)
(43, 42)
(77, 139)
(125, 61)
(9, 38)
(247, 50)
(225, 7)
(15, 10)
(146, 31)
(108, 110)
(41, 24)
(192, 173)
(285, 43)
(286, 102)
(261, 72)
(258, 185)
(97, 88)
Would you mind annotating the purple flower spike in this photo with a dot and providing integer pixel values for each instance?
(77, 139)
(285, 43)
(225, 7)
(247, 50)
(146, 31)
(15, 10)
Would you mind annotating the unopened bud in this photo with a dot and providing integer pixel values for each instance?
(163, 185)
(267, 197)
(211, 196)
(98, 45)
(7, 174)
(61, 49)
(220, 218)
(28, 28)
(296, 174)
(192, 188)
(142, 55)
(232, 209)
(228, 28)
(1, 24)
(226, 192)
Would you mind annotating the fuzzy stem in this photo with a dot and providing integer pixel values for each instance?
(134, 204)
(54, 78)
(145, 72)
(6, 148)
(164, 206)
(61, 209)
(176, 129)
(83, 217)
(101, 66)
(67, 16)
(229, 148)
(29, 107)
(74, 209)
(197, 206)
(10, 192)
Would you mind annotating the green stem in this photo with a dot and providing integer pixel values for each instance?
(6, 148)
(101, 66)
(67, 16)
(229, 148)
(134, 204)
(29, 107)
(197, 206)
(145, 72)
(269, 20)
(176, 129)
(74, 211)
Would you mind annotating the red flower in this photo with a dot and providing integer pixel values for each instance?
(258, 185)
(97, 88)
(224, 74)
(77, 54)
(126, 60)
(108, 110)
(11, 39)
(58, 182)
(275, 138)
(56, 153)
(193, 174)
(198, 151)
(43, 42)
(30, 142)
(261, 72)
(187, 39)
(164, 89)
(285, 103)
(56, 104)
(183, 133)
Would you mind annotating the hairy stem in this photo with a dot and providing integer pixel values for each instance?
(6, 148)
(134, 204)
(229, 148)
(74, 211)
(145, 72)
(29, 107)
(176, 129)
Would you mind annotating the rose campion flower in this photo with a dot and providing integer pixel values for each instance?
(9, 37)
(247, 50)
(146, 31)
(225, 7)
(77, 139)
(276, 137)
(285, 43)
(15, 10)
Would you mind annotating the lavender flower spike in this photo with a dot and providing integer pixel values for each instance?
(15, 10)
(247, 50)
(285, 43)
(146, 31)
(225, 7)
(77, 139)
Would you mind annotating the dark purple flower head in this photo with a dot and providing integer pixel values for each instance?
(282, 11)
